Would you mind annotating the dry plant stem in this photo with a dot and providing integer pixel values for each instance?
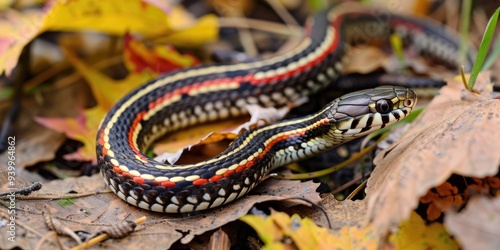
(46, 75)
(247, 42)
(45, 238)
(282, 12)
(350, 183)
(464, 81)
(271, 27)
(57, 226)
(70, 79)
(357, 190)
(53, 228)
(102, 237)
(69, 196)
(320, 208)
(24, 191)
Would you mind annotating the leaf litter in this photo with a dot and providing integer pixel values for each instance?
(98, 207)
(104, 208)
(455, 134)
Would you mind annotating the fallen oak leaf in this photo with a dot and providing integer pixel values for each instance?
(459, 142)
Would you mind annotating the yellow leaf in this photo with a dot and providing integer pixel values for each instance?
(414, 234)
(83, 128)
(206, 29)
(111, 16)
(159, 59)
(106, 90)
(305, 234)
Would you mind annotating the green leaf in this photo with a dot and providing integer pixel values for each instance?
(318, 4)
(464, 29)
(493, 56)
(483, 48)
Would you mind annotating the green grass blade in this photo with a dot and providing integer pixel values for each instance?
(483, 48)
(465, 17)
(493, 56)
(318, 4)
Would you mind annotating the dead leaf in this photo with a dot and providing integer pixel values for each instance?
(415, 234)
(84, 127)
(476, 227)
(113, 17)
(92, 212)
(453, 135)
(441, 198)
(106, 90)
(413, 7)
(159, 59)
(305, 234)
(34, 142)
(365, 60)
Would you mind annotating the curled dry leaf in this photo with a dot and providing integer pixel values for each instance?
(90, 213)
(455, 134)
(477, 226)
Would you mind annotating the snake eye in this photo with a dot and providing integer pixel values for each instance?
(383, 106)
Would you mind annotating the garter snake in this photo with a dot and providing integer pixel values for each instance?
(211, 92)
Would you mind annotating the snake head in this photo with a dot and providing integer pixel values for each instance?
(358, 113)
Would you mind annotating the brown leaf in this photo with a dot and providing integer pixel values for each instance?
(365, 60)
(35, 143)
(340, 213)
(454, 135)
(477, 226)
(90, 213)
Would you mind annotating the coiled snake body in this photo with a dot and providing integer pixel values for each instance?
(211, 92)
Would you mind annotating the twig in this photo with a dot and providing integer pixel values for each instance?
(356, 191)
(23, 191)
(321, 208)
(272, 27)
(102, 237)
(69, 196)
(282, 12)
(350, 183)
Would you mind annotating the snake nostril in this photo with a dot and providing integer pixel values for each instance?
(408, 103)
